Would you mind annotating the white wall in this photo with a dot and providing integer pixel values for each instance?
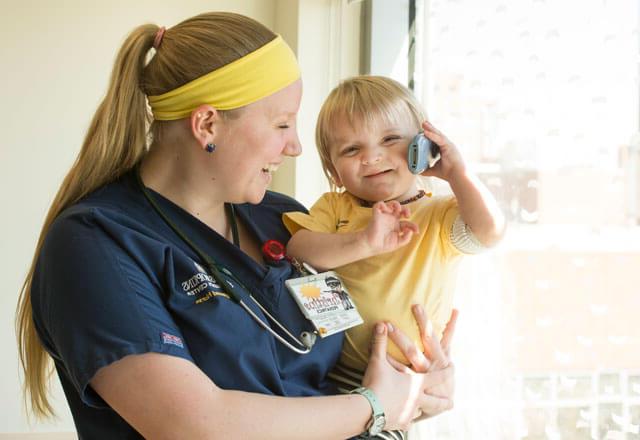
(327, 41)
(56, 58)
(389, 39)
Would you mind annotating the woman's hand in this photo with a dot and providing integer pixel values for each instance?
(434, 362)
(401, 395)
(436, 350)
(425, 389)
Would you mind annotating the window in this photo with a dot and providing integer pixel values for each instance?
(542, 97)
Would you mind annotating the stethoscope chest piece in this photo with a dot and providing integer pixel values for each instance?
(308, 339)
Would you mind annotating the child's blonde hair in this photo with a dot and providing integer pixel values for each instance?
(364, 99)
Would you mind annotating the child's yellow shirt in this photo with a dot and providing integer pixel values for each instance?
(385, 286)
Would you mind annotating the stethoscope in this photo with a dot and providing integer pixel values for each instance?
(275, 252)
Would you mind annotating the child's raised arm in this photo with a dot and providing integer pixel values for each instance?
(386, 232)
(478, 208)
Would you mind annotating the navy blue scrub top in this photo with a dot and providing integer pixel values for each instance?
(113, 279)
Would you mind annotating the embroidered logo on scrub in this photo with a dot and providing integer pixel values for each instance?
(202, 285)
(170, 339)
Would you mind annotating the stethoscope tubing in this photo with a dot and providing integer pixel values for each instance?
(229, 290)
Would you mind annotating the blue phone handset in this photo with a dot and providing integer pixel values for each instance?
(422, 154)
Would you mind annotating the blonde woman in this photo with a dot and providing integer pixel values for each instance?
(148, 289)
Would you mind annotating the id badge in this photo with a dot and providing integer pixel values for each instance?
(324, 301)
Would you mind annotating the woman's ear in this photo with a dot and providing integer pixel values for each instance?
(203, 124)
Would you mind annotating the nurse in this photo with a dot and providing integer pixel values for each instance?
(149, 290)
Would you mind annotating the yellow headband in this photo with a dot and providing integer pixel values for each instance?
(257, 75)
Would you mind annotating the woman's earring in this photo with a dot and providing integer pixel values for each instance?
(210, 147)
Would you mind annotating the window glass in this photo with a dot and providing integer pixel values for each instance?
(542, 99)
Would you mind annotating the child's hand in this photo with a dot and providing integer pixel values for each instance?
(451, 162)
(387, 231)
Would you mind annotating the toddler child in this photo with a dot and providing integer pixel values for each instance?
(389, 240)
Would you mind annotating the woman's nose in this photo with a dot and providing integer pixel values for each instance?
(293, 147)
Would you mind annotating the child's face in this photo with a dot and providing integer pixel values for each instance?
(371, 161)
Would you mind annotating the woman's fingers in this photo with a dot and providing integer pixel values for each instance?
(379, 342)
(443, 378)
(440, 359)
(424, 326)
(448, 333)
(409, 349)
(432, 406)
(399, 366)
(439, 385)
(433, 350)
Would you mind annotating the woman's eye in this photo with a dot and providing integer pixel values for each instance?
(283, 126)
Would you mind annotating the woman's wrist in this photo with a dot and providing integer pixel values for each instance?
(377, 421)
(362, 411)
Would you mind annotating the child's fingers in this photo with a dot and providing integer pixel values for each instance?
(408, 227)
(403, 239)
(395, 207)
(430, 127)
(440, 140)
(405, 211)
(434, 170)
(435, 135)
(381, 207)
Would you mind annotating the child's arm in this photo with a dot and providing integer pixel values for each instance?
(478, 208)
(385, 232)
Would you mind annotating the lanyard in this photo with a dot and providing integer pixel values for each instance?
(217, 273)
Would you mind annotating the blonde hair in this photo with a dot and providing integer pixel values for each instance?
(119, 135)
(366, 100)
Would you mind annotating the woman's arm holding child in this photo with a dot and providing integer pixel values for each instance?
(166, 397)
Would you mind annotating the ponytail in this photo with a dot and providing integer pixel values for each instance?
(118, 137)
(115, 143)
